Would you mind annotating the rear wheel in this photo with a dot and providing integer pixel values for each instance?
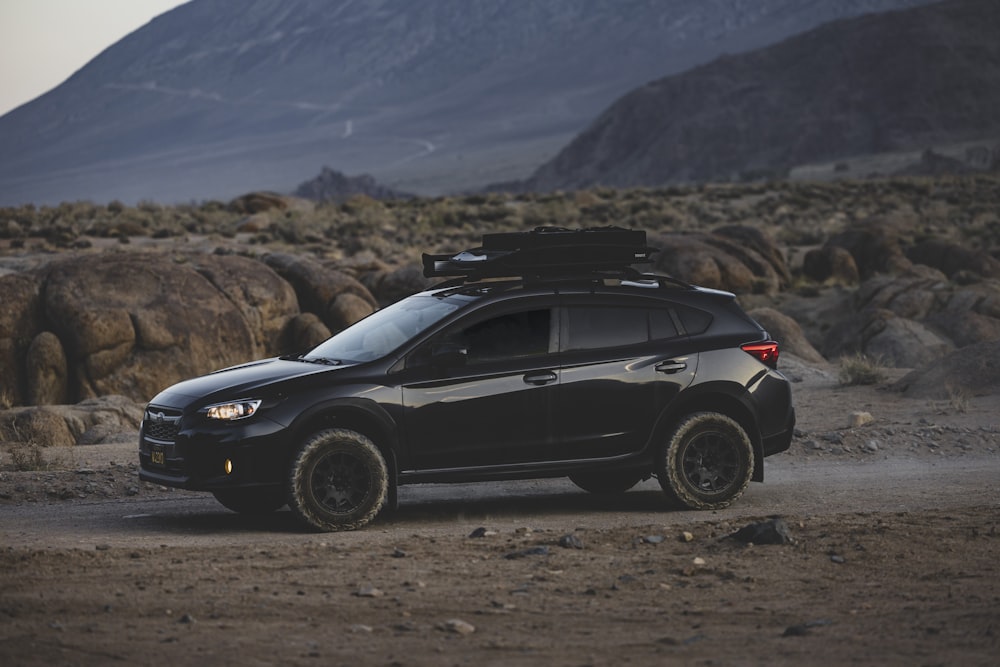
(707, 461)
(618, 481)
(252, 500)
(339, 480)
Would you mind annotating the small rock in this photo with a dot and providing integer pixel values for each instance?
(481, 532)
(653, 539)
(570, 541)
(698, 560)
(398, 553)
(804, 628)
(686, 536)
(533, 551)
(360, 628)
(187, 619)
(368, 591)
(768, 532)
(859, 418)
(870, 446)
(103, 547)
(836, 558)
(457, 626)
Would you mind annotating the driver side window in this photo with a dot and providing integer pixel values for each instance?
(517, 335)
(510, 336)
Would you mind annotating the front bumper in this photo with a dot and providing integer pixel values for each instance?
(196, 457)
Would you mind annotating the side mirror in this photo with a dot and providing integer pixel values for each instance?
(449, 355)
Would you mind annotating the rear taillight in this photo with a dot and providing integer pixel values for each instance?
(766, 352)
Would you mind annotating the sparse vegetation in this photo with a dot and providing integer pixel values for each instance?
(860, 369)
(26, 457)
(951, 207)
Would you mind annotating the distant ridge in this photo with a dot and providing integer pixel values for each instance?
(896, 81)
(217, 98)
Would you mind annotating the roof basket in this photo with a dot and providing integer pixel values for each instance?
(545, 252)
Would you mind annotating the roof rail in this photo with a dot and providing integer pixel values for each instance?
(546, 252)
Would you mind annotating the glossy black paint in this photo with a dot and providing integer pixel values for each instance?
(548, 414)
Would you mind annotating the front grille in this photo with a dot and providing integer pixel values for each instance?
(161, 424)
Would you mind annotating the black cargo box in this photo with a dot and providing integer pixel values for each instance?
(545, 251)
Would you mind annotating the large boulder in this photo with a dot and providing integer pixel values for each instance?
(914, 317)
(304, 332)
(952, 259)
(94, 421)
(391, 285)
(738, 259)
(879, 333)
(132, 323)
(265, 300)
(875, 246)
(47, 371)
(973, 370)
(337, 298)
(830, 263)
(20, 320)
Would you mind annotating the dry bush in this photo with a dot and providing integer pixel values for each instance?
(860, 369)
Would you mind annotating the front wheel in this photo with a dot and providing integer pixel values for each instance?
(339, 480)
(707, 461)
(252, 500)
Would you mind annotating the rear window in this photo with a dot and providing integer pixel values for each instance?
(596, 327)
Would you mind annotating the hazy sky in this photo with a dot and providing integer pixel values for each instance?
(43, 42)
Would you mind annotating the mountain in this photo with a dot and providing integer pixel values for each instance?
(332, 186)
(895, 81)
(216, 97)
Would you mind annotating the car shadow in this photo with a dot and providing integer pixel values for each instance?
(440, 504)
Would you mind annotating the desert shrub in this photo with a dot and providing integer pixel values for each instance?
(860, 369)
(26, 457)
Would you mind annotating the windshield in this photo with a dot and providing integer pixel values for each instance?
(383, 331)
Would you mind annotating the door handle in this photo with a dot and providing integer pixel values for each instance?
(539, 379)
(671, 366)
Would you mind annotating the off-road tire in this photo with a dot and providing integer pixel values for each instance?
(706, 462)
(617, 481)
(338, 480)
(252, 500)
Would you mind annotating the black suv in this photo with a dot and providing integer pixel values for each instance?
(545, 355)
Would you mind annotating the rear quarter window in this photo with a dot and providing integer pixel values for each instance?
(694, 320)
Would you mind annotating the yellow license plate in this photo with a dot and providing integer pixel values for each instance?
(157, 458)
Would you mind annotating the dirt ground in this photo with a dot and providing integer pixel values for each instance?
(893, 562)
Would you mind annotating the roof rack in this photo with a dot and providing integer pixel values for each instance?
(555, 253)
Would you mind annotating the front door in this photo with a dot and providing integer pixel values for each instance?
(493, 404)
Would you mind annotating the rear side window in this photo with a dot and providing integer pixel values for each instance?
(693, 320)
(596, 327)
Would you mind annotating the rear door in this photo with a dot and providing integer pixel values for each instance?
(622, 362)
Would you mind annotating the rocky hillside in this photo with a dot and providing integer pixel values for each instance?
(875, 84)
(214, 99)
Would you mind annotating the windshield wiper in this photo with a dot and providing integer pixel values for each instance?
(322, 360)
(313, 360)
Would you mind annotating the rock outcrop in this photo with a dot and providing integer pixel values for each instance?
(971, 371)
(739, 259)
(336, 297)
(132, 323)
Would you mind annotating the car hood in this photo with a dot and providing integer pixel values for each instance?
(238, 381)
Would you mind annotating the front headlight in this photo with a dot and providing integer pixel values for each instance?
(232, 411)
